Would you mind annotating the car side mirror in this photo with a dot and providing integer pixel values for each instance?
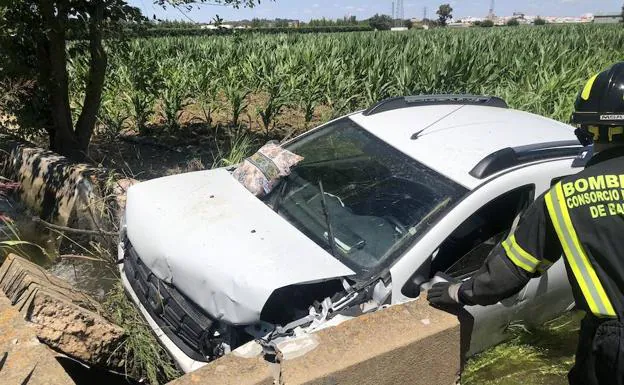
(421, 276)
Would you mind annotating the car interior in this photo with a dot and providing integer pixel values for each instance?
(371, 206)
(464, 251)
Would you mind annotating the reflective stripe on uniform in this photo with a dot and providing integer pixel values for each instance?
(584, 272)
(519, 256)
(544, 265)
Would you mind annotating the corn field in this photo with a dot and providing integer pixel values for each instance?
(255, 81)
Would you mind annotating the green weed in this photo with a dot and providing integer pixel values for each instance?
(144, 357)
(537, 356)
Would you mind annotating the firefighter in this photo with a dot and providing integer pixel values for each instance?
(581, 219)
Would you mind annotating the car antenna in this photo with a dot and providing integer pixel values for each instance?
(418, 134)
(330, 231)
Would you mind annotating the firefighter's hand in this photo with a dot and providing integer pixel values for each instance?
(444, 295)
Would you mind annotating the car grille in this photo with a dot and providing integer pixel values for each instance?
(181, 320)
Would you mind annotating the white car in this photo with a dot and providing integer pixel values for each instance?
(413, 187)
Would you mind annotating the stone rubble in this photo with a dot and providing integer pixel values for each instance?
(23, 359)
(63, 318)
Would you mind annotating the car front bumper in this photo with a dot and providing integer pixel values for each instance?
(184, 362)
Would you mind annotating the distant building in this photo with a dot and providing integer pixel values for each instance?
(611, 18)
(212, 26)
(399, 29)
(469, 20)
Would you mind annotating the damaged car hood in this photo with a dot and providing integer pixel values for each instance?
(204, 233)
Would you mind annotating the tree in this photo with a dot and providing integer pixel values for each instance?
(445, 13)
(33, 39)
(513, 22)
(487, 23)
(380, 22)
(539, 21)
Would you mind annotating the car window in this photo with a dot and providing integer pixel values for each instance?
(379, 200)
(465, 250)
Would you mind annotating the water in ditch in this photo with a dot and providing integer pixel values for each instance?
(84, 268)
(89, 267)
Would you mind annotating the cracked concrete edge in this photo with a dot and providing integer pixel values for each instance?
(76, 332)
(408, 343)
(18, 276)
(65, 319)
(23, 359)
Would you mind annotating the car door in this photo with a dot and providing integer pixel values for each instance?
(460, 242)
(465, 250)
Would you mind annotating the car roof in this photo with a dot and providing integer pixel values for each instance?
(454, 138)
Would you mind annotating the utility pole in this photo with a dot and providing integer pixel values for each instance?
(425, 13)
(398, 13)
(491, 13)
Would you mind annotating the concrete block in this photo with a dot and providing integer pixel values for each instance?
(407, 344)
(411, 343)
(59, 190)
(18, 277)
(63, 318)
(230, 370)
(23, 359)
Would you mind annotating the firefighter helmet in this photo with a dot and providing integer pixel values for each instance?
(599, 107)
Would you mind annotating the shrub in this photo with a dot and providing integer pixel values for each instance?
(513, 22)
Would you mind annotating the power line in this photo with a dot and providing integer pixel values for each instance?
(398, 12)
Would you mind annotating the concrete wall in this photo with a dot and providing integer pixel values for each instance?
(59, 190)
(405, 344)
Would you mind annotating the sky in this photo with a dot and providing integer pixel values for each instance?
(363, 9)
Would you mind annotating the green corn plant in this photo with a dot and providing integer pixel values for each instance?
(175, 91)
(273, 84)
(308, 85)
(536, 69)
(113, 113)
(205, 90)
(112, 117)
(236, 93)
(142, 86)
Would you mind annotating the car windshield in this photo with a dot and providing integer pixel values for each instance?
(378, 200)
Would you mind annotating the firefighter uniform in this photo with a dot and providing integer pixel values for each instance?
(580, 219)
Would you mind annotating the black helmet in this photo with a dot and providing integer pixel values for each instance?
(599, 108)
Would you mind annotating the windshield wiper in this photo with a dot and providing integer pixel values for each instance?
(330, 231)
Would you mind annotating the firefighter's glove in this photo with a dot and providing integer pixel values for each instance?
(444, 295)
